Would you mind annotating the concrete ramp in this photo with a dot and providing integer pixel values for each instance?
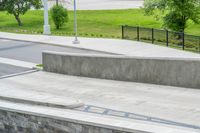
(181, 72)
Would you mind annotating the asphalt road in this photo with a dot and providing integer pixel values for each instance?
(32, 52)
(29, 52)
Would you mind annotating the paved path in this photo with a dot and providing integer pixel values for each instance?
(169, 103)
(32, 52)
(101, 4)
(116, 46)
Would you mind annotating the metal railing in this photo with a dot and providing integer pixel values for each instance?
(173, 39)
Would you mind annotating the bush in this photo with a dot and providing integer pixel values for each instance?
(59, 15)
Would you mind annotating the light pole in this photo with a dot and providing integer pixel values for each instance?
(46, 29)
(76, 41)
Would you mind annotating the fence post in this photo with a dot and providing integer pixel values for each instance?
(122, 31)
(199, 44)
(183, 40)
(152, 35)
(167, 38)
(138, 33)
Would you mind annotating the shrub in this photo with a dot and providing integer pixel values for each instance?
(59, 15)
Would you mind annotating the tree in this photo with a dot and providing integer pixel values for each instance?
(19, 7)
(175, 13)
(59, 15)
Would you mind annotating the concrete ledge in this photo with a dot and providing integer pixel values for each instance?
(39, 98)
(17, 63)
(165, 71)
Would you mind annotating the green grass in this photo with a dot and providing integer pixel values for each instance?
(39, 65)
(106, 24)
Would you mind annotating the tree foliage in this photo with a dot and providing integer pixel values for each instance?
(19, 7)
(175, 13)
(59, 15)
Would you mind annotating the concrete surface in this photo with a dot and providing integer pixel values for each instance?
(116, 46)
(100, 4)
(17, 63)
(163, 71)
(6, 69)
(32, 52)
(170, 103)
(38, 98)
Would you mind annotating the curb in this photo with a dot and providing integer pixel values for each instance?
(42, 102)
(21, 73)
(18, 63)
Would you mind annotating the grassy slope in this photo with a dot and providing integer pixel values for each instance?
(90, 23)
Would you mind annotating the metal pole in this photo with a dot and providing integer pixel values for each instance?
(183, 40)
(46, 29)
(76, 41)
(167, 38)
(138, 33)
(122, 32)
(152, 33)
(199, 44)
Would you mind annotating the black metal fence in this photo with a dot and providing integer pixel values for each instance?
(162, 37)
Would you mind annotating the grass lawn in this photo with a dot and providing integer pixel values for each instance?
(103, 23)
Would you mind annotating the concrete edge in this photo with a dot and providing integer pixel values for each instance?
(94, 120)
(118, 56)
(20, 73)
(17, 63)
(84, 122)
(41, 103)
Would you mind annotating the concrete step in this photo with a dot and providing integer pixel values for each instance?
(39, 98)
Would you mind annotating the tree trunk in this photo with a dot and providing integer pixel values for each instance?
(57, 27)
(56, 2)
(18, 19)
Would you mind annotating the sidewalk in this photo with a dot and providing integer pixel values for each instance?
(116, 46)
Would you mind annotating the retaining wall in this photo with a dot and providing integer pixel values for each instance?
(163, 71)
(13, 122)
